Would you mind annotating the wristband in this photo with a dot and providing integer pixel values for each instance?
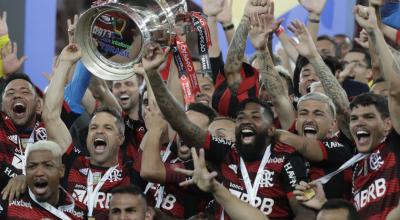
(279, 31)
(398, 37)
(228, 27)
(312, 20)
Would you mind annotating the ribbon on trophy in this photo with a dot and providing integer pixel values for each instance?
(187, 74)
(204, 40)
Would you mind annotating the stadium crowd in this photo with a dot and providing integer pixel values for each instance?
(308, 132)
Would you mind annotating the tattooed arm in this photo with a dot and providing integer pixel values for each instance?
(237, 46)
(172, 110)
(367, 19)
(332, 87)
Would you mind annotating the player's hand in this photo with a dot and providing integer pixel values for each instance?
(200, 175)
(15, 187)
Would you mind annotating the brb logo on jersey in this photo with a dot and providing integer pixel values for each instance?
(374, 192)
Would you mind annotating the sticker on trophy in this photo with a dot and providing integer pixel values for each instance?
(96, 177)
(309, 193)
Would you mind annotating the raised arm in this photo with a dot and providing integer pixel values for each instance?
(314, 8)
(152, 168)
(332, 87)
(236, 49)
(366, 18)
(225, 18)
(54, 97)
(102, 93)
(236, 208)
(172, 110)
(212, 8)
(262, 27)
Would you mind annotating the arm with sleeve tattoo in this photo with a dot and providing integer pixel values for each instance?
(390, 68)
(331, 85)
(172, 110)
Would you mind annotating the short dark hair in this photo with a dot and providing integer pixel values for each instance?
(332, 62)
(342, 204)
(128, 189)
(328, 38)
(380, 102)
(203, 109)
(113, 112)
(367, 56)
(16, 76)
(268, 112)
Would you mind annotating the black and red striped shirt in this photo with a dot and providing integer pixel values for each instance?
(282, 172)
(75, 180)
(376, 188)
(226, 101)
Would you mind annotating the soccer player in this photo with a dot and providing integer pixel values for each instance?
(45, 199)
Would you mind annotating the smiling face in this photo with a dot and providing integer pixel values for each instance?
(128, 207)
(314, 119)
(368, 127)
(43, 173)
(253, 130)
(20, 103)
(104, 139)
(127, 93)
(307, 77)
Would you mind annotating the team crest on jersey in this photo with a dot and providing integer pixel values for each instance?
(267, 179)
(375, 161)
(13, 138)
(41, 134)
(115, 176)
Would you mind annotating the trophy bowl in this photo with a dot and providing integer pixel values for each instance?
(112, 35)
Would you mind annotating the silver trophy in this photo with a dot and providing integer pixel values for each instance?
(112, 35)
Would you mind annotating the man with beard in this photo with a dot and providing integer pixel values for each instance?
(273, 166)
(169, 197)
(45, 200)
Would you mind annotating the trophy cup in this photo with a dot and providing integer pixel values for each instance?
(112, 35)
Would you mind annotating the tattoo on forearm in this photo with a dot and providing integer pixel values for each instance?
(236, 49)
(270, 77)
(174, 112)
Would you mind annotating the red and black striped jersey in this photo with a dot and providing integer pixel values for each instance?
(376, 188)
(226, 101)
(282, 172)
(75, 180)
(26, 209)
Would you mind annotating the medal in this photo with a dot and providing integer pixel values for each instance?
(96, 177)
(91, 218)
(309, 193)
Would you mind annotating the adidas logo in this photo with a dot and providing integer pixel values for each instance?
(13, 138)
(233, 167)
(84, 171)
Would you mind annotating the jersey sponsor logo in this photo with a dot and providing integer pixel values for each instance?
(277, 160)
(263, 204)
(102, 200)
(78, 214)
(291, 174)
(374, 192)
(221, 140)
(168, 202)
(375, 161)
(234, 186)
(267, 179)
(233, 167)
(333, 144)
(21, 203)
(9, 172)
(41, 134)
(13, 138)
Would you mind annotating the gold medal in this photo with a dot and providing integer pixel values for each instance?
(91, 218)
(309, 193)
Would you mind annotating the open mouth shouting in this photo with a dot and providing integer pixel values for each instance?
(363, 137)
(310, 130)
(40, 187)
(19, 109)
(247, 135)
(99, 145)
(124, 98)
